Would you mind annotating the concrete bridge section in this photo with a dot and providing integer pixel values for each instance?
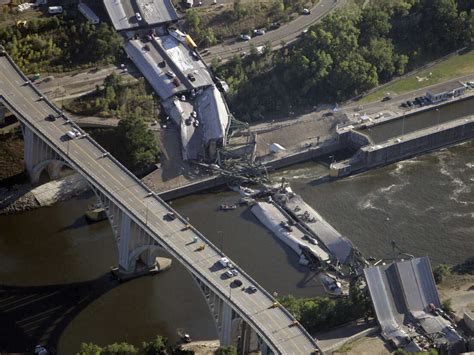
(140, 227)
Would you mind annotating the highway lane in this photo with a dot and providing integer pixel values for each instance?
(125, 190)
(287, 33)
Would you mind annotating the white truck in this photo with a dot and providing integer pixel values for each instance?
(55, 9)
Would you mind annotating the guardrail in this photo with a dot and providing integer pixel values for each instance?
(134, 216)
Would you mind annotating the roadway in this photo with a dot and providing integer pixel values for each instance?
(129, 194)
(287, 33)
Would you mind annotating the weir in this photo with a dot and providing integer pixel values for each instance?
(385, 141)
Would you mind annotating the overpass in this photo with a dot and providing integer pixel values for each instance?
(137, 216)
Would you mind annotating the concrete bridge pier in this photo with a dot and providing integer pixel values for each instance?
(2, 115)
(40, 157)
(137, 250)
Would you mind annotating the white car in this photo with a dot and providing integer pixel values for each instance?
(138, 16)
(224, 261)
(244, 37)
(259, 32)
(229, 274)
(71, 134)
(306, 11)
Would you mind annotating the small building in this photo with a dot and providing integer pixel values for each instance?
(55, 9)
(445, 92)
(88, 13)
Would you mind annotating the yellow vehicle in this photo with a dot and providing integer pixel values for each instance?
(201, 247)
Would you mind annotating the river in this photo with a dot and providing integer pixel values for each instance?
(425, 204)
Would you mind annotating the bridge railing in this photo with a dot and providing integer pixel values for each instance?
(144, 226)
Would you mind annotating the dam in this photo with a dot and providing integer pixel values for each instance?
(383, 141)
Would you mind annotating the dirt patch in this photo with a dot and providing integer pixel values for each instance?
(366, 345)
(207, 347)
(460, 289)
(11, 155)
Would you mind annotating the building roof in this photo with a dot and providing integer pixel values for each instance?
(448, 87)
(153, 12)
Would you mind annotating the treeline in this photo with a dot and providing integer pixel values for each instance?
(158, 346)
(60, 43)
(132, 143)
(117, 99)
(349, 52)
(322, 313)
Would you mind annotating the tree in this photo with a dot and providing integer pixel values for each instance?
(226, 350)
(157, 346)
(440, 271)
(89, 349)
(119, 349)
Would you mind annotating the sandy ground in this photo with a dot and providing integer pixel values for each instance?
(373, 345)
(460, 289)
(205, 347)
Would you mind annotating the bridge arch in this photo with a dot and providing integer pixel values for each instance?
(52, 167)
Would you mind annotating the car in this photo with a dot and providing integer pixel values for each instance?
(228, 274)
(386, 98)
(224, 261)
(304, 32)
(194, 54)
(71, 134)
(51, 117)
(188, 121)
(176, 82)
(149, 37)
(234, 272)
(196, 123)
(251, 289)
(191, 77)
(146, 48)
(259, 31)
(237, 283)
(170, 74)
(327, 114)
(194, 114)
(245, 37)
(275, 25)
(170, 216)
(404, 104)
(410, 103)
(306, 11)
(138, 16)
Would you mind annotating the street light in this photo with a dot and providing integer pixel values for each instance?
(439, 113)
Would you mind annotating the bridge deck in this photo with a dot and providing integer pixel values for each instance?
(112, 179)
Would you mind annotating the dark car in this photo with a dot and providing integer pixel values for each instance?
(386, 98)
(404, 104)
(191, 77)
(170, 216)
(410, 103)
(275, 25)
(251, 289)
(51, 117)
(236, 283)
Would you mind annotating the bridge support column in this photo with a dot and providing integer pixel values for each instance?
(39, 156)
(2, 115)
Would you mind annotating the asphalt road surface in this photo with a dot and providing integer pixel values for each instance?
(86, 157)
(287, 33)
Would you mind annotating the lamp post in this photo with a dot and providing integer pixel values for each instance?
(439, 113)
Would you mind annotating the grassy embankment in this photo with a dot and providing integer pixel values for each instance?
(449, 69)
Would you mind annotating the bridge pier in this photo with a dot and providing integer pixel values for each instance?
(39, 156)
(136, 248)
(2, 115)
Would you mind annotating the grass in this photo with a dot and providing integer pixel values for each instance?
(451, 68)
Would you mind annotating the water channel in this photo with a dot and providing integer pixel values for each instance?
(425, 204)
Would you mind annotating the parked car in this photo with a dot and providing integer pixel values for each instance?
(251, 289)
(170, 74)
(386, 98)
(176, 82)
(306, 11)
(138, 16)
(236, 283)
(275, 25)
(191, 77)
(259, 31)
(146, 48)
(245, 37)
(71, 134)
(228, 274)
(51, 117)
(196, 123)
